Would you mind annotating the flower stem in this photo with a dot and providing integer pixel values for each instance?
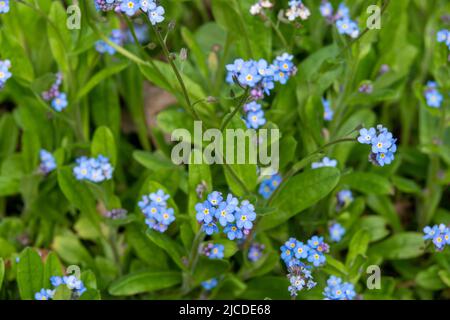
(174, 68)
(241, 103)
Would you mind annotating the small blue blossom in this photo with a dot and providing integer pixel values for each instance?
(215, 198)
(261, 76)
(338, 290)
(60, 102)
(301, 250)
(156, 15)
(439, 234)
(326, 162)
(213, 251)
(210, 228)
(366, 136)
(5, 65)
(44, 294)
(255, 120)
(4, 6)
(210, 284)
(205, 212)
(159, 197)
(93, 169)
(328, 113)
(72, 282)
(245, 215)
(255, 252)
(106, 5)
(225, 214)
(130, 7)
(116, 37)
(147, 5)
(344, 198)
(154, 206)
(269, 185)
(48, 163)
(383, 145)
(337, 231)
(432, 95)
(326, 9)
(443, 36)
(233, 232)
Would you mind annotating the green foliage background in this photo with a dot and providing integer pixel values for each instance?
(59, 217)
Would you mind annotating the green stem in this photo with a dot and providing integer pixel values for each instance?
(241, 103)
(278, 32)
(175, 69)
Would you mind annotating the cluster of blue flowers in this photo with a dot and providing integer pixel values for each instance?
(254, 117)
(116, 37)
(432, 95)
(48, 163)
(213, 251)
(382, 142)
(236, 220)
(269, 185)
(4, 6)
(297, 10)
(5, 65)
(158, 215)
(338, 290)
(337, 231)
(93, 169)
(255, 252)
(294, 253)
(72, 282)
(58, 99)
(344, 198)
(443, 36)
(341, 18)
(106, 5)
(131, 7)
(261, 76)
(439, 234)
(328, 113)
(155, 12)
(210, 284)
(326, 162)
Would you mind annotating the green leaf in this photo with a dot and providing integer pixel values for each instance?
(103, 144)
(71, 250)
(367, 182)
(375, 226)
(406, 185)
(207, 269)
(91, 294)
(77, 193)
(335, 267)
(300, 192)
(154, 161)
(53, 267)
(429, 279)
(101, 76)
(144, 281)
(406, 245)
(169, 245)
(30, 273)
(145, 249)
(358, 246)
(59, 35)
